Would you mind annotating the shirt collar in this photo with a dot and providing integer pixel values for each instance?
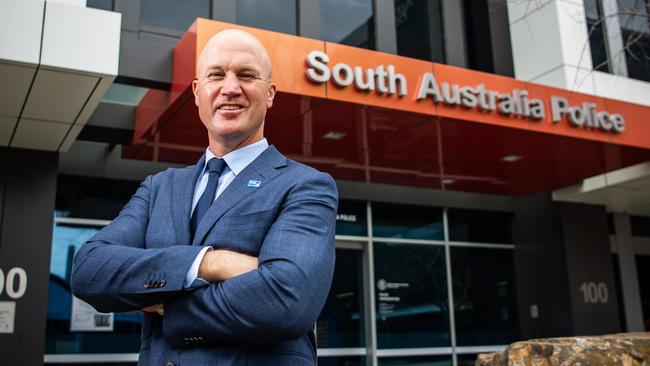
(239, 159)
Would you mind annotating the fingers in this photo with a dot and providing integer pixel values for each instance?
(158, 309)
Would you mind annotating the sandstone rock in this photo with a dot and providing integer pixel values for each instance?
(626, 349)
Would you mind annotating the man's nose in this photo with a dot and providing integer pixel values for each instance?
(230, 85)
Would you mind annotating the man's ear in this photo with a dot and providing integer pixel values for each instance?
(195, 90)
(269, 100)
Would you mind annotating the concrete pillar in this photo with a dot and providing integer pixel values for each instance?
(592, 284)
(28, 191)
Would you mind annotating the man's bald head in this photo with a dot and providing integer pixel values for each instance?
(234, 40)
(233, 90)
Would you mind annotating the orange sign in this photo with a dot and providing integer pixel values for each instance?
(327, 70)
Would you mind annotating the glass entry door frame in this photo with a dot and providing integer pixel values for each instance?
(627, 247)
(360, 244)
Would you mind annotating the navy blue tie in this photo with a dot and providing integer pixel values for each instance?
(214, 169)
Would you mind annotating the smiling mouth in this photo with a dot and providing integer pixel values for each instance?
(229, 107)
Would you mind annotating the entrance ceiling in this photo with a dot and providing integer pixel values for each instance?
(375, 145)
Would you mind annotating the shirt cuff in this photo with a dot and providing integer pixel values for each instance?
(193, 272)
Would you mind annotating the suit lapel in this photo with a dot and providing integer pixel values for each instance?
(184, 182)
(262, 169)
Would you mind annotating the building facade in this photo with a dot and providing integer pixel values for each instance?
(492, 160)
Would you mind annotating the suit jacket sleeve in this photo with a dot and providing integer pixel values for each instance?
(114, 271)
(284, 296)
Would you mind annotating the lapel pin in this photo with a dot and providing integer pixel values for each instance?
(254, 183)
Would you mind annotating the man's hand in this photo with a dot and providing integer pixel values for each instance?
(219, 265)
(158, 309)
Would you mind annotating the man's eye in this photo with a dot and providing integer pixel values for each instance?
(246, 76)
(215, 75)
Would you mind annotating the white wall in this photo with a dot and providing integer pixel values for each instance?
(550, 46)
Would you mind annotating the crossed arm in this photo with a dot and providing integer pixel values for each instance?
(275, 296)
(216, 266)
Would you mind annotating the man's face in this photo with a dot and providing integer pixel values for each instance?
(233, 90)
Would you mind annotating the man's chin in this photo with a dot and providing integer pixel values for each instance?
(228, 138)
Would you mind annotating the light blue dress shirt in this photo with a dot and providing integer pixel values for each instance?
(236, 161)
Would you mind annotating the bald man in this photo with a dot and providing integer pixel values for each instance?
(231, 259)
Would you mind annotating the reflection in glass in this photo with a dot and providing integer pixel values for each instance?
(595, 27)
(276, 15)
(411, 288)
(341, 322)
(341, 361)
(125, 338)
(485, 300)
(349, 22)
(416, 361)
(351, 218)
(634, 16)
(479, 226)
(66, 240)
(173, 14)
(407, 221)
(124, 94)
(418, 26)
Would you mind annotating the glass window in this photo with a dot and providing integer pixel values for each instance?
(341, 361)
(477, 33)
(595, 27)
(634, 17)
(418, 26)
(640, 225)
(100, 4)
(407, 221)
(351, 218)
(176, 15)
(349, 22)
(125, 337)
(416, 361)
(92, 198)
(341, 322)
(124, 94)
(479, 226)
(276, 15)
(412, 302)
(485, 300)
(643, 274)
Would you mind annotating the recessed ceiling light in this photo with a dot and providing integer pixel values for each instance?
(448, 181)
(511, 158)
(334, 135)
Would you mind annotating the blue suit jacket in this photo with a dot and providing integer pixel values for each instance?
(264, 317)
